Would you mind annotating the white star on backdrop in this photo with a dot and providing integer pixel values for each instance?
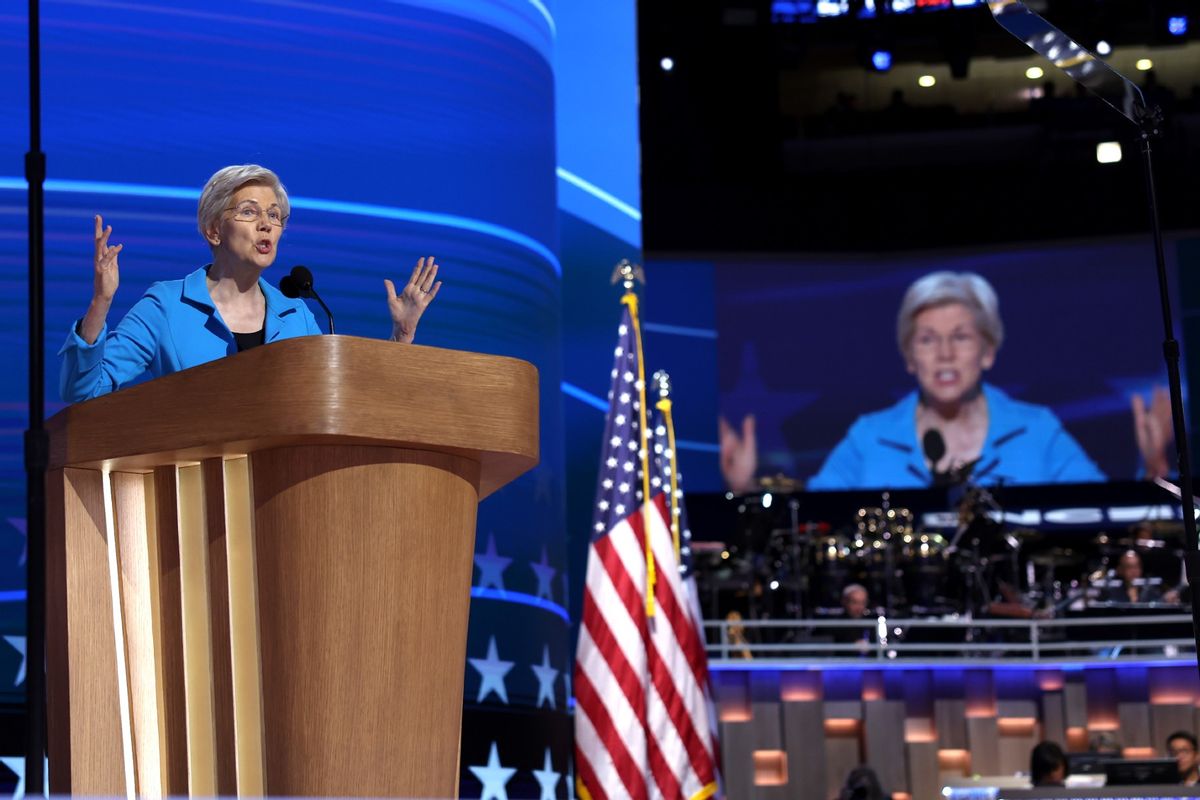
(17, 765)
(546, 675)
(493, 777)
(19, 524)
(491, 566)
(547, 778)
(545, 573)
(491, 673)
(18, 644)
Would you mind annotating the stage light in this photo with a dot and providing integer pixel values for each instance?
(1033, 73)
(1177, 26)
(1108, 152)
(1144, 64)
(667, 64)
(925, 81)
(1103, 48)
(881, 60)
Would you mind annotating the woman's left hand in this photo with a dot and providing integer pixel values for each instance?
(409, 304)
(1153, 430)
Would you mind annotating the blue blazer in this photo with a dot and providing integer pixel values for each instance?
(1025, 444)
(174, 326)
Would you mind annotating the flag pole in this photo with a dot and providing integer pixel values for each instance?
(629, 273)
(663, 381)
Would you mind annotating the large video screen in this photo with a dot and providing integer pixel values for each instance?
(805, 11)
(1028, 365)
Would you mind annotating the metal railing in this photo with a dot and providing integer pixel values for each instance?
(1165, 637)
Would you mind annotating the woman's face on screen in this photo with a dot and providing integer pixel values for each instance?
(947, 353)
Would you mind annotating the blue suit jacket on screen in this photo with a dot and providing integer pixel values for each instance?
(174, 326)
(1025, 443)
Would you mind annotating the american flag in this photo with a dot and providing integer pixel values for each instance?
(642, 717)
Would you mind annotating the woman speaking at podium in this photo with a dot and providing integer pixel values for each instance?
(953, 424)
(221, 308)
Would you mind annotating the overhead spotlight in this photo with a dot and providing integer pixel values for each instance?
(881, 60)
(1144, 64)
(1108, 152)
(1177, 26)
(1034, 73)
(1103, 48)
(926, 81)
(667, 64)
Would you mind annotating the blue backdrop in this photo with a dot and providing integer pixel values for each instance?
(401, 129)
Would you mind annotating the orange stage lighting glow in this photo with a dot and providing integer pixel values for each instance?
(841, 727)
(918, 731)
(1050, 681)
(770, 768)
(732, 713)
(1139, 752)
(1016, 726)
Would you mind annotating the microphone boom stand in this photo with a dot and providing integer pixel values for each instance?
(1119, 93)
(37, 443)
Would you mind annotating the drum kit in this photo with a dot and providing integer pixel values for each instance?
(798, 569)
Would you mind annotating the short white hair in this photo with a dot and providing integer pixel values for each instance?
(223, 185)
(852, 588)
(944, 288)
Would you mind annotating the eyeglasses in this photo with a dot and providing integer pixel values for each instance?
(250, 211)
(932, 342)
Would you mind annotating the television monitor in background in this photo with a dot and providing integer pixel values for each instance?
(808, 345)
(1141, 772)
(808, 11)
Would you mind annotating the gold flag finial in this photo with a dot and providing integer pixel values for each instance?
(628, 273)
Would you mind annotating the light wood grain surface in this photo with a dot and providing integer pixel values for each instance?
(82, 679)
(315, 389)
(292, 623)
(138, 561)
(364, 559)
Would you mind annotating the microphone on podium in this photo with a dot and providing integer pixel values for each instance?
(935, 448)
(299, 283)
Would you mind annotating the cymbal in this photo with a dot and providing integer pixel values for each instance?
(781, 483)
(1057, 557)
(1026, 534)
(1157, 527)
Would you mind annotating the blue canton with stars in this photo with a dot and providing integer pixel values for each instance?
(619, 492)
(660, 456)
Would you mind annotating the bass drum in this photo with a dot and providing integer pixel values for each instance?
(924, 572)
(832, 570)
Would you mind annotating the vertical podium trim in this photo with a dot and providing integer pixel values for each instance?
(118, 618)
(197, 645)
(243, 630)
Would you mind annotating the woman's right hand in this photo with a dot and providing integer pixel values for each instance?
(107, 277)
(739, 454)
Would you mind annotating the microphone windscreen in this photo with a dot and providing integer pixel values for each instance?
(288, 286)
(934, 445)
(302, 277)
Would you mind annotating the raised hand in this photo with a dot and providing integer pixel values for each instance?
(739, 454)
(1154, 431)
(105, 279)
(407, 306)
(107, 276)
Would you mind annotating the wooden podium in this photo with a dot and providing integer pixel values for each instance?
(258, 569)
